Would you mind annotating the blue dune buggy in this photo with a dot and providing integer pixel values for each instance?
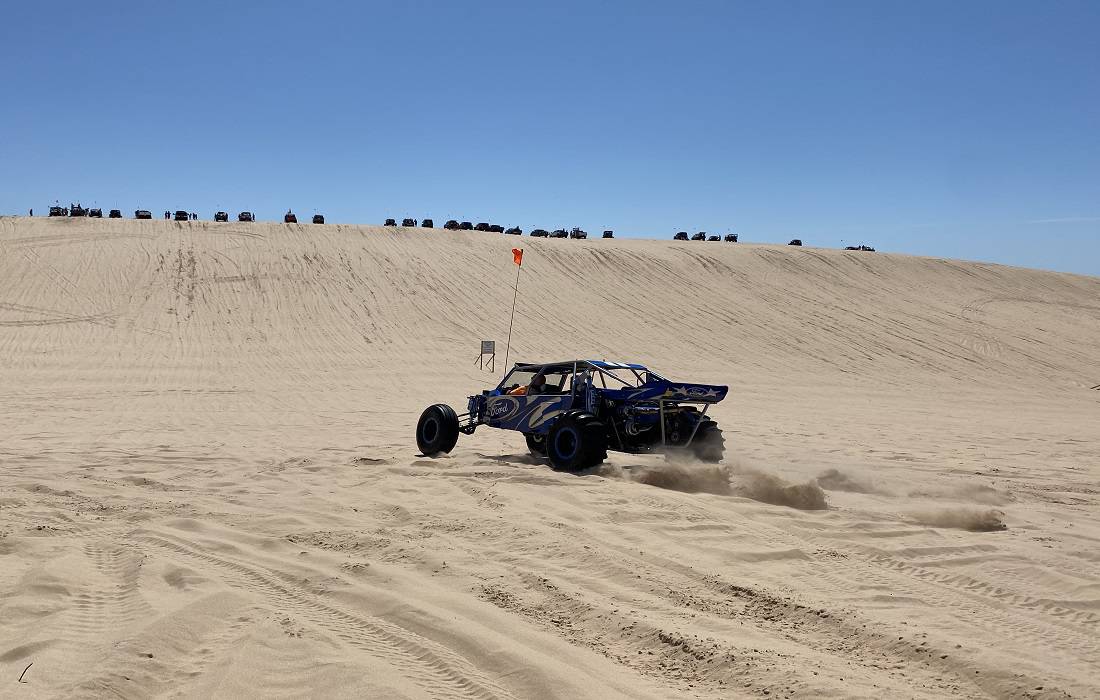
(574, 412)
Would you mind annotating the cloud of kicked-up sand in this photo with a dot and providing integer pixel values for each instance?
(769, 488)
(691, 476)
(975, 493)
(836, 480)
(989, 520)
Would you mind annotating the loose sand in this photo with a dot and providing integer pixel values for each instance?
(209, 484)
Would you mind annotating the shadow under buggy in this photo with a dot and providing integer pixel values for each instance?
(574, 412)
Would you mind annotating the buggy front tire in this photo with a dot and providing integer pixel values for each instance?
(437, 430)
(536, 443)
(576, 442)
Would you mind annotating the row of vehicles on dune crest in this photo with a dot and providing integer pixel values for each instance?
(571, 413)
(76, 210)
(732, 238)
(456, 225)
(179, 215)
(702, 236)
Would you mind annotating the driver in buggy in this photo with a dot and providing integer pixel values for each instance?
(537, 386)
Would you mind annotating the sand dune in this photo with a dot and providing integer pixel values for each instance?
(209, 484)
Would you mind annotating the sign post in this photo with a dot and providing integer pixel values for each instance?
(488, 349)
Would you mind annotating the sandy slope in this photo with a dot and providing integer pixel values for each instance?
(209, 483)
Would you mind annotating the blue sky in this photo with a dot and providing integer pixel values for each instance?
(956, 129)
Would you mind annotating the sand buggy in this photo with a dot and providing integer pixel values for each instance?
(573, 412)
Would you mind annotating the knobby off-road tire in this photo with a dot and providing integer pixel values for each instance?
(536, 444)
(437, 430)
(576, 442)
(709, 445)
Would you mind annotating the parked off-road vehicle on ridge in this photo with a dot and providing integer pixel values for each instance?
(731, 238)
(390, 222)
(57, 211)
(221, 216)
(514, 231)
(95, 213)
(481, 226)
(496, 228)
(559, 233)
(246, 216)
(318, 218)
(451, 225)
(114, 214)
(426, 223)
(466, 226)
(577, 233)
(181, 215)
(290, 218)
(608, 234)
(680, 236)
(574, 412)
(540, 233)
(701, 236)
(143, 214)
(795, 241)
(77, 210)
(408, 222)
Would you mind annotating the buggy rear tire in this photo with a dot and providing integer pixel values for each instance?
(708, 445)
(437, 430)
(576, 442)
(536, 443)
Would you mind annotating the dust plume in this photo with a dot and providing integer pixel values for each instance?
(689, 477)
(836, 480)
(975, 493)
(989, 520)
(769, 488)
(986, 495)
(692, 476)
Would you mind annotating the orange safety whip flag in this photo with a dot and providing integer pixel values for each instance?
(517, 258)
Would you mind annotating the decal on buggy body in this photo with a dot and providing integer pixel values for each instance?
(529, 414)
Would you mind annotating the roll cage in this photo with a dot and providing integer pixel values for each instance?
(610, 375)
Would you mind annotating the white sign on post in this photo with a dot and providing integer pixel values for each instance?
(488, 355)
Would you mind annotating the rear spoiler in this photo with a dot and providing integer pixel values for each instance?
(672, 391)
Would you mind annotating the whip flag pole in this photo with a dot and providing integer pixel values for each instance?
(517, 258)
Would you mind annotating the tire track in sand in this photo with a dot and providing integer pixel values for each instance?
(438, 671)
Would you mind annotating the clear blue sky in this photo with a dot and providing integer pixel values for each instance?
(959, 129)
